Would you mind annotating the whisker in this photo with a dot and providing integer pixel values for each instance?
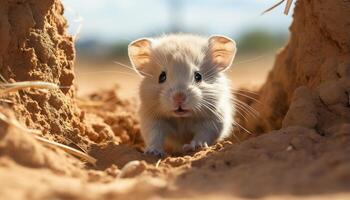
(129, 67)
(157, 59)
(249, 97)
(244, 117)
(245, 110)
(235, 136)
(242, 128)
(251, 60)
(248, 91)
(205, 104)
(209, 73)
(247, 106)
(110, 71)
(165, 58)
(123, 65)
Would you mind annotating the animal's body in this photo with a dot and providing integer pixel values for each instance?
(186, 101)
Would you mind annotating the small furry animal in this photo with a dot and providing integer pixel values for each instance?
(186, 101)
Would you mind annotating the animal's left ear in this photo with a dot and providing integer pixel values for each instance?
(222, 51)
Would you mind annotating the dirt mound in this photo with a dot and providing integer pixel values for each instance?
(306, 97)
(34, 46)
(309, 84)
(116, 116)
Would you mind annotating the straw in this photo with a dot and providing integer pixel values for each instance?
(11, 87)
(286, 9)
(47, 142)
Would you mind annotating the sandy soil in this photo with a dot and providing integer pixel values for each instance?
(305, 101)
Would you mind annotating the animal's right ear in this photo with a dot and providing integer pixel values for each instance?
(222, 51)
(140, 55)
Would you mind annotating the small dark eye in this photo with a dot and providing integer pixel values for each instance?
(162, 77)
(197, 77)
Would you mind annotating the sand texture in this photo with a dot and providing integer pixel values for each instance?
(299, 147)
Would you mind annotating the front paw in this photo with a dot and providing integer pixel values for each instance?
(194, 146)
(155, 152)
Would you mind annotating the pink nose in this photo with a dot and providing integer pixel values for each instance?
(179, 98)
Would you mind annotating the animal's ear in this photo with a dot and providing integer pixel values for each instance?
(140, 54)
(222, 51)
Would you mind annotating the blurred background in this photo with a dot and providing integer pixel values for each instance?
(103, 29)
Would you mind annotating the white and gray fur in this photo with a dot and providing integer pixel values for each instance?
(211, 119)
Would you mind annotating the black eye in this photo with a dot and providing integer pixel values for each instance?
(197, 77)
(162, 77)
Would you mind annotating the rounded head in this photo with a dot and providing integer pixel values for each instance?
(182, 73)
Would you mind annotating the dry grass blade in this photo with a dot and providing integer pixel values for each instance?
(47, 142)
(273, 7)
(3, 79)
(10, 87)
(286, 9)
(77, 33)
(158, 163)
(5, 101)
(67, 149)
(288, 5)
(17, 124)
(78, 19)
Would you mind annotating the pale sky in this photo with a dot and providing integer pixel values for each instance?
(126, 20)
